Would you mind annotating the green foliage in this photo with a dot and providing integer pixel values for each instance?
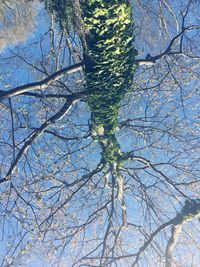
(109, 63)
(111, 152)
(110, 56)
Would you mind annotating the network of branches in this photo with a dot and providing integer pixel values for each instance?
(99, 144)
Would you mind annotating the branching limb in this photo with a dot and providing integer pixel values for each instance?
(41, 85)
(149, 60)
(59, 115)
(190, 210)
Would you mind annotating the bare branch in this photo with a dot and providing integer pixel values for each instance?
(58, 116)
(150, 60)
(41, 85)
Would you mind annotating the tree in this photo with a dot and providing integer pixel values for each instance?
(74, 178)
